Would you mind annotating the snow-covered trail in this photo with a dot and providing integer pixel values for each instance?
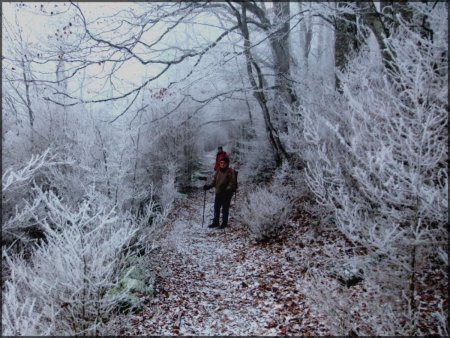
(218, 282)
(204, 284)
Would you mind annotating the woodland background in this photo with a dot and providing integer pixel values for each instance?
(339, 109)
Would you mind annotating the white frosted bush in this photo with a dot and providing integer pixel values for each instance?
(265, 213)
(68, 276)
(20, 316)
(17, 206)
(380, 161)
(20, 204)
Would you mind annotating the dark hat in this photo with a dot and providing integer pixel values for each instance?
(220, 148)
(225, 159)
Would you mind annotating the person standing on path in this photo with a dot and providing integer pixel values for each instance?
(225, 183)
(220, 154)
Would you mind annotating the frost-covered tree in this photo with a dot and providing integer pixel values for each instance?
(100, 46)
(17, 77)
(380, 163)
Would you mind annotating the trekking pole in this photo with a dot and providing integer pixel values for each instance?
(235, 192)
(204, 202)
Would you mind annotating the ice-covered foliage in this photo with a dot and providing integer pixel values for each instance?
(173, 141)
(267, 207)
(61, 288)
(60, 281)
(20, 316)
(383, 166)
(19, 205)
(380, 163)
(289, 182)
(265, 213)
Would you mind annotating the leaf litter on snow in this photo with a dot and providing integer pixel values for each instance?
(215, 282)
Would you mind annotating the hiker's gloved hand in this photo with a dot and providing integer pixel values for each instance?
(206, 187)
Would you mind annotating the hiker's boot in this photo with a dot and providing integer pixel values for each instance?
(223, 226)
(213, 225)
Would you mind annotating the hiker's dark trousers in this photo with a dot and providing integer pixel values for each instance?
(222, 201)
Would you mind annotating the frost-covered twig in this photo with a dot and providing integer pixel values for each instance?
(36, 163)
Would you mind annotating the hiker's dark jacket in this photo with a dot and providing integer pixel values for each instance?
(224, 181)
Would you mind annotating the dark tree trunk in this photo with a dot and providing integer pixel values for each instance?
(279, 42)
(258, 90)
(345, 40)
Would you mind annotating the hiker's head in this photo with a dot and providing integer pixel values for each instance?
(224, 162)
(219, 149)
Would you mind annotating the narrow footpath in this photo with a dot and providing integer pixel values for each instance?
(220, 282)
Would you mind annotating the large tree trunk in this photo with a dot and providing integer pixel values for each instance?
(305, 37)
(375, 23)
(347, 33)
(284, 96)
(279, 41)
(259, 90)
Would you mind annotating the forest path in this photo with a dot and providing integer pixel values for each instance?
(220, 282)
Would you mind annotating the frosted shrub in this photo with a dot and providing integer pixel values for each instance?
(289, 182)
(172, 143)
(19, 203)
(152, 213)
(380, 165)
(13, 177)
(20, 316)
(265, 213)
(283, 181)
(149, 211)
(68, 276)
